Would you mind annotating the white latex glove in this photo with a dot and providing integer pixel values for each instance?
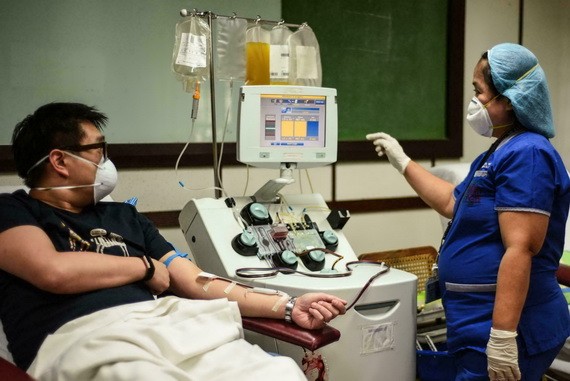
(385, 144)
(503, 356)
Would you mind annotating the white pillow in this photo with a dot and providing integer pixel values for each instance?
(453, 173)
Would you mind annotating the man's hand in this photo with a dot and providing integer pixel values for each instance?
(160, 280)
(314, 310)
(503, 356)
(387, 145)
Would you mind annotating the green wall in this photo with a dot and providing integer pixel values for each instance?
(113, 54)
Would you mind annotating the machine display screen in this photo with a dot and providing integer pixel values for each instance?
(292, 120)
(287, 125)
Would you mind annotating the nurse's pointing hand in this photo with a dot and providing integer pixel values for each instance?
(387, 145)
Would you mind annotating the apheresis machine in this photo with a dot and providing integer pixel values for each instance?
(294, 243)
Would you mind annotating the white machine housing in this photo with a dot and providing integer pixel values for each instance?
(377, 335)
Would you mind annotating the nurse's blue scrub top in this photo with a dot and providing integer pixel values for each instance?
(524, 174)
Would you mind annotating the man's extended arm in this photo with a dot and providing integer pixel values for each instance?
(311, 310)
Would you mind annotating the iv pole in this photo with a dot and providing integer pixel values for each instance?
(210, 16)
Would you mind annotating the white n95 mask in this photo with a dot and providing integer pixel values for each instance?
(105, 179)
(478, 117)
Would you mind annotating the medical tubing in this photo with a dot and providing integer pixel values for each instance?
(372, 278)
(246, 179)
(219, 168)
(309, 180)
(260, 272)
(195, 101)
(180, 182)
(182, 152)
(266, 272)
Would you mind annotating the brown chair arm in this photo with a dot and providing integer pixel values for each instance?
(563, 275)
(291, 333)
(9, 371)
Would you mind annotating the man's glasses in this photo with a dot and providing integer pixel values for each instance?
(86, 147)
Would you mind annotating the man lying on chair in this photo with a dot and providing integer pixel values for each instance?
(78, 276)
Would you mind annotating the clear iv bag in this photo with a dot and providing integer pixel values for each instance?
(257, 56)
(230, 47)
(305, 58)
(191, 55)
(279, 55)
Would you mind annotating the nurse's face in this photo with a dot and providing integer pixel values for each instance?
(499, 108)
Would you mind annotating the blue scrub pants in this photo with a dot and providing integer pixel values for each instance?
(472, 364)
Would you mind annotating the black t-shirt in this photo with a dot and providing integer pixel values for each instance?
(30, 314)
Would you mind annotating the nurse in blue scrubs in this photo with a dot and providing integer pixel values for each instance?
(506, 316)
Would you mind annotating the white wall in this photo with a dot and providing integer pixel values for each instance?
(488, 22)
(547, 34)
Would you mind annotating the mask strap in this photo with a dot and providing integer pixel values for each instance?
(527, 73)
(67, 187)
(46, 156)
(502, 125)
(492, 99)
(518, 80)
(36, 164)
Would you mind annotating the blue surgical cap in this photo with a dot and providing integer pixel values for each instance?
(517, 75)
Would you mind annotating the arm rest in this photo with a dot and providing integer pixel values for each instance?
(291, 333)
(563, 275)
(9, 371)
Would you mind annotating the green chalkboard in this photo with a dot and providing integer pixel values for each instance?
(388, 60)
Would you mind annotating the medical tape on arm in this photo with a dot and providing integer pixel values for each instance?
(267, 291)
(279, 302)
(230, 287)
(232, 283)
(211, 277)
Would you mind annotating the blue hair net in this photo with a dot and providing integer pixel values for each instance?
(517, 75)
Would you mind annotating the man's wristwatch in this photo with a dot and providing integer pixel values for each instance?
(289, 309)
(149, 268)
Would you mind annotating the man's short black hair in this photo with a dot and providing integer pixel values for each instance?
(50, 126)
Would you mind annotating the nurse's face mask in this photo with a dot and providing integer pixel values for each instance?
(478, 117)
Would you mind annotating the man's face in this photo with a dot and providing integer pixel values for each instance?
(91, 136)
(82, 172)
